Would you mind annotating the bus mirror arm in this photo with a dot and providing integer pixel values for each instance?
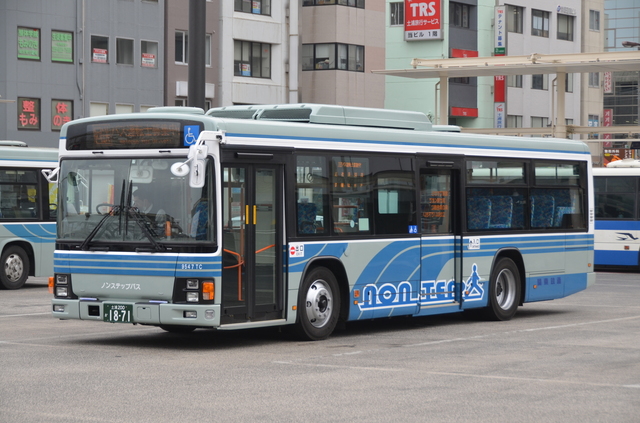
(197, 154)
(51, 175)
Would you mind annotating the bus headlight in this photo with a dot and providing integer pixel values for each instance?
(62, 291)
(193, 297)
(62, 279)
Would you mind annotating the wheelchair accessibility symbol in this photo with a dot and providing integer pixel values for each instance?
(191, 134)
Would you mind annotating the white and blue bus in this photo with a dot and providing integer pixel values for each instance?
(307, 215)
(27, 213)
(617, 229)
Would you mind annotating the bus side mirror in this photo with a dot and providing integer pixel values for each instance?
(195, 165)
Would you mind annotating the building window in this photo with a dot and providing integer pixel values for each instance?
(252, 59)
(594, 79)
(99, 49)
(396, 10)
(540, 23)
(351, 3)
(149, 54)
(350, 57)
(594, 20)
(28, 113)
(594, 122)
(539, 122)
(29, 43)
(514, 19)
(514, 121)
(61, 113)
(568, 82)
(565, 27)
(98, 109)
(62, 46)
(182, 48)
(459, 15)
(514, 81)
(124, 108)
(539, 82)
(258, 7)
(124, 51)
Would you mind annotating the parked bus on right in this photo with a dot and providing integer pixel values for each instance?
(617, 229)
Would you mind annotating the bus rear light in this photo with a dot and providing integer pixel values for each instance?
(193, 297)
(208, 291)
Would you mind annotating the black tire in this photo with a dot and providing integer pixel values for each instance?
(15, 268)
(504, 290)
(177, 328)
(318, 305)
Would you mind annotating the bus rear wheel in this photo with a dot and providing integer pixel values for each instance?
(15, 268)
(318, 305)
(504, 290)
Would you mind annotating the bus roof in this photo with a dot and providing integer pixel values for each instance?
(18, 150)
(329, 123)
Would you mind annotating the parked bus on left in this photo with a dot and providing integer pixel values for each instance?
(28, 207)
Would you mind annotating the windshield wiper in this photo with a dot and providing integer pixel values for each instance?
(144, 225)
(85, 244)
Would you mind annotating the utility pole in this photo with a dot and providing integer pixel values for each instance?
(196, 51)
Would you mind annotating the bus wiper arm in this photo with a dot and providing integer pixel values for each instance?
(85, 244)
(142, 222)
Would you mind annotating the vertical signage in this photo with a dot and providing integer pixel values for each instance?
(500, 115)
(500, 31)
(28, 113)
(29, 43)
(607, 120)
(61, 113)
(61, 46)
(607, 83)
(422, 20)
(500, 81)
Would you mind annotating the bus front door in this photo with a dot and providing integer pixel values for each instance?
(252, 243)
(440, 281)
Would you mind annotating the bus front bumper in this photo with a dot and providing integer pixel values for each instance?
(200, 315)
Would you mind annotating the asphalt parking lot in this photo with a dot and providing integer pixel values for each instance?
(569, 360)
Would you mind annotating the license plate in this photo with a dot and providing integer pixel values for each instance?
(117, 313)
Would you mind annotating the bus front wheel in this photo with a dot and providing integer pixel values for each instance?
(504, 290)
(15, 268)
(318, 305)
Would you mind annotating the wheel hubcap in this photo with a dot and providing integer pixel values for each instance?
(319, 304)
(13, 267)
(505, 289)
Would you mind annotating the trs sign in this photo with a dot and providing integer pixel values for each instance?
(422, 20)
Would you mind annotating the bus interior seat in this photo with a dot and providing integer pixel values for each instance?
(307, 217)
(542, 211)
(560, 213)
(501, 211)
(478, 213)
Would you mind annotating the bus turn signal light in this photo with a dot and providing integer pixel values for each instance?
(208, 291)
(50, 284)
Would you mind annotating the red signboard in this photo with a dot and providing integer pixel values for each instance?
(464, 111)
(499, 88)
(458, 52)
(422, 20)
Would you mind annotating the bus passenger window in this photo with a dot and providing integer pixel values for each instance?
(311, 195)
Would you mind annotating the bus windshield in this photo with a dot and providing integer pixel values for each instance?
(126, 204)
